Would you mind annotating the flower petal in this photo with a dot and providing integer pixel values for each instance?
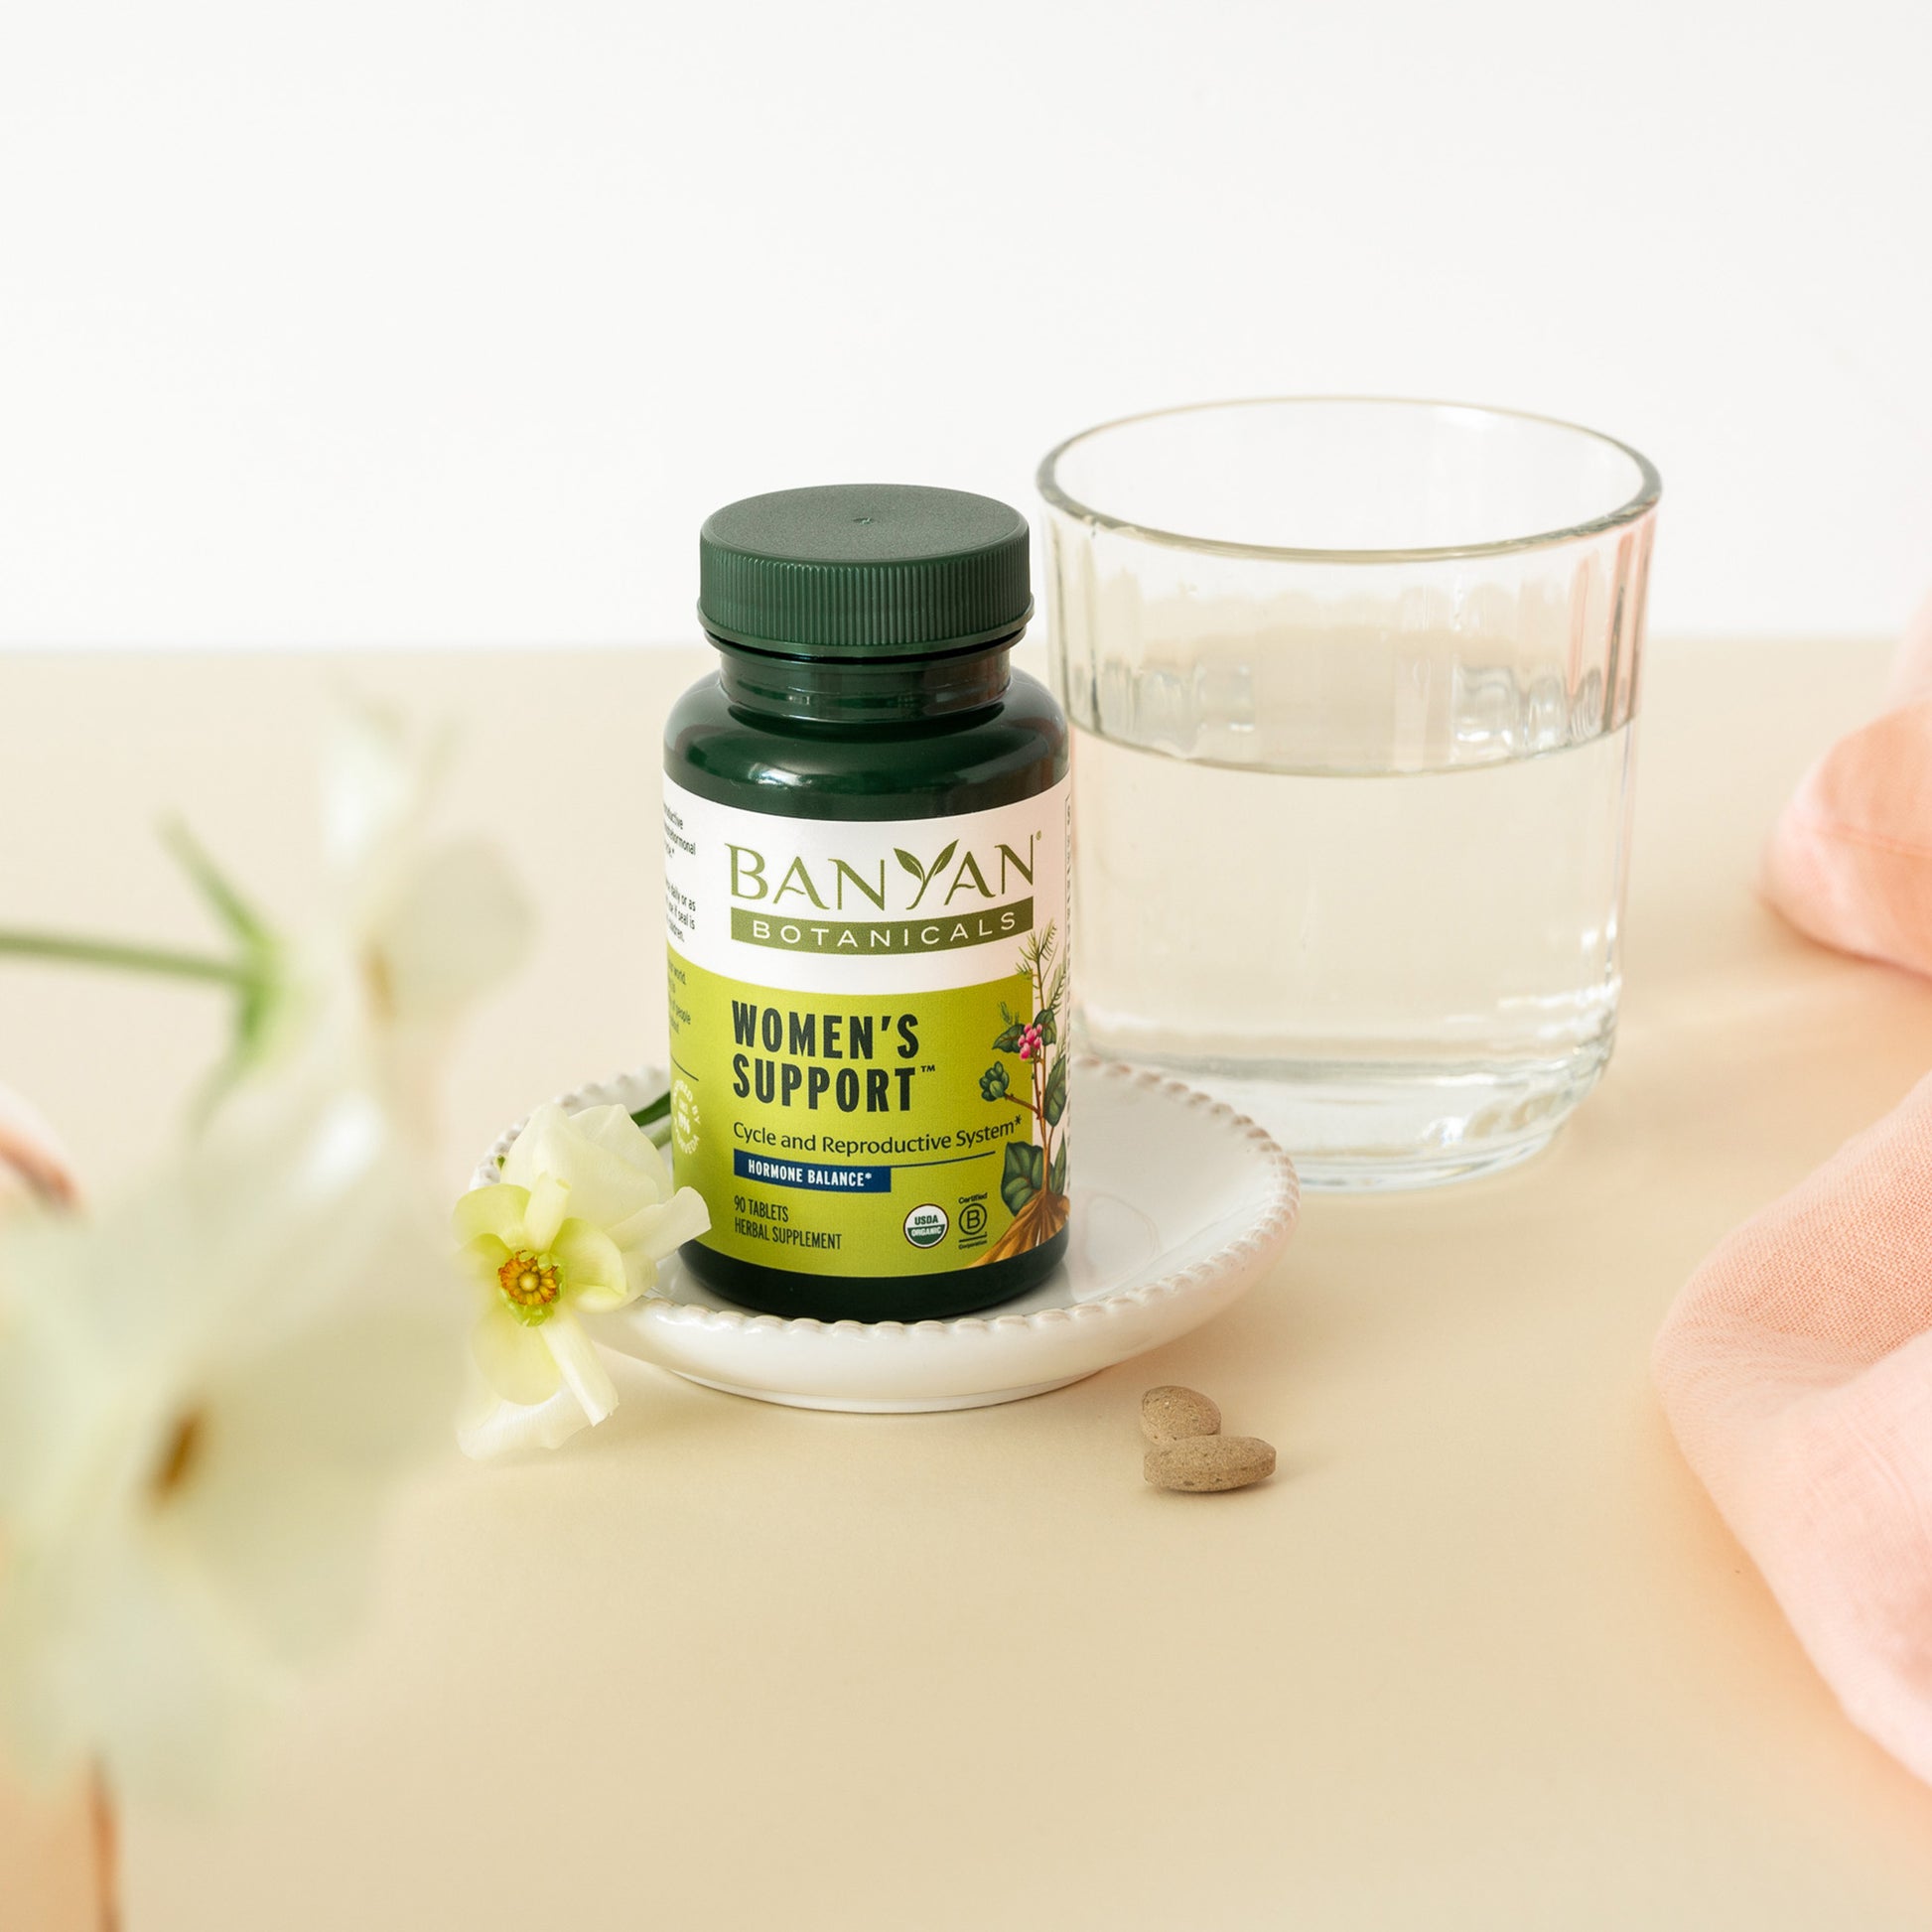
(497, 1211)
(513, 1359)
(612, 1130)
(664, 1229)
(487, 1425)
(117, 1663)
(481, 1261)
(550, 1201)
(594, 1274)
(298, 1449)
(580, 1366)
(377, 780)
(605, 1185)
(454, 925)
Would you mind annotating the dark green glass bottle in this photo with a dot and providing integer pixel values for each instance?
(866, 829)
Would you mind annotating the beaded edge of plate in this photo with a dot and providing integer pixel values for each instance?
(1266, 1237)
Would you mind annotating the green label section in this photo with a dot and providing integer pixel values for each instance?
(862, 938)
(873, 1134)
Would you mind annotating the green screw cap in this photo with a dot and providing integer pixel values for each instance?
(863, 570)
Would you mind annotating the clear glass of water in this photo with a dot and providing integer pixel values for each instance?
(1353, 683)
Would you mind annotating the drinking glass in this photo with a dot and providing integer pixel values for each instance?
(1353, 683)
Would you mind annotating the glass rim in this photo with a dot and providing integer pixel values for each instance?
(1650, 486)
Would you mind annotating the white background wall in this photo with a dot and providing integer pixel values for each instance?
(415, 323)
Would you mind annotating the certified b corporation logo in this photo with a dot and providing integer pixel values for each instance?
(925, 1227)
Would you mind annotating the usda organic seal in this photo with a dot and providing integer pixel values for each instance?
(925, 1227)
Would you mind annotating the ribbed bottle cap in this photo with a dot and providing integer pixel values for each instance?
(863, 570)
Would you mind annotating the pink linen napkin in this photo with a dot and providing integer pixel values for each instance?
(1796, 1369)
(1851, 860)
(1795, 1365)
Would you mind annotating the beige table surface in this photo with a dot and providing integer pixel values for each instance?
(1480, 1656)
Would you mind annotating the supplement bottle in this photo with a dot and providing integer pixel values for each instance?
(865, 847)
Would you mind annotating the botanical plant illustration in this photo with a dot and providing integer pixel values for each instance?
(1033, 1183)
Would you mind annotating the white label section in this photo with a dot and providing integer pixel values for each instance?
(857, 905)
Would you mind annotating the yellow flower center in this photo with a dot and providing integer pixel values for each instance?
(530, 1285)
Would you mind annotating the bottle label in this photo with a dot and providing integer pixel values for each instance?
(869, 1020)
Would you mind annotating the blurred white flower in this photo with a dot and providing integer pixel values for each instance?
(418, 927)
(585, 1212)
(205, 1399)
(207, 1395)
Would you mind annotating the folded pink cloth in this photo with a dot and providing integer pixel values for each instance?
(1796, 1369)
(1795, 1365)
(1851, 860)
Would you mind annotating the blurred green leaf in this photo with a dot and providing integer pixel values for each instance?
(224, 897)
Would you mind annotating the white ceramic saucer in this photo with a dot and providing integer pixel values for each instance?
(1180, 1206)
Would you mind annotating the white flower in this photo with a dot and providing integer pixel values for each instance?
(206, 1396)
(205, 1399)
(584, 1212)
(418, 929)
(432, 924)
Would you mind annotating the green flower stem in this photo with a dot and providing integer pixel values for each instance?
(161, 960)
